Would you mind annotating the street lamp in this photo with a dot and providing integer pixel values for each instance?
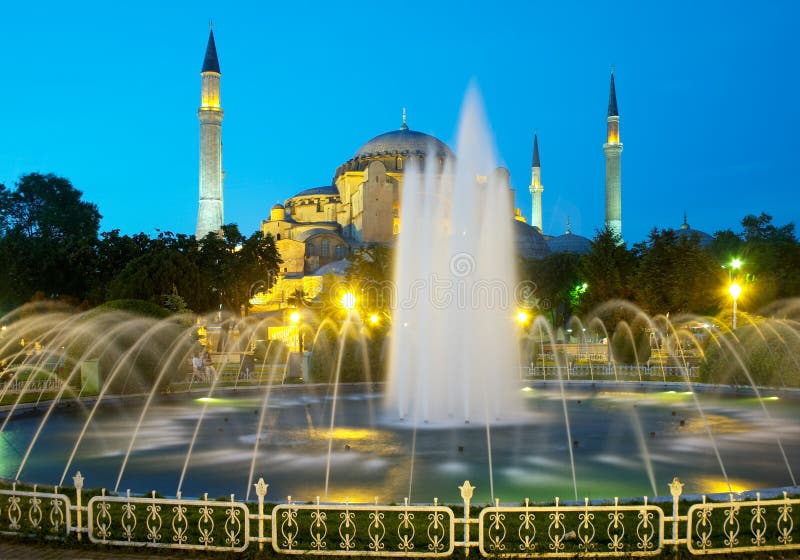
(349, 301)
(735, 290)
(294, 318)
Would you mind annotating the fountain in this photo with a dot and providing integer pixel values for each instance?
(454, 356)
(456, 405)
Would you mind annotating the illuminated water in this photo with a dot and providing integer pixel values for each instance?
(530, 459)
(454, 341)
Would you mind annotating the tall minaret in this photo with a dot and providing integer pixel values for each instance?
(209, 216)
(613, 149)
(536, 187)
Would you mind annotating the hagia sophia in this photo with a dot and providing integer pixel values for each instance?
(316, 228)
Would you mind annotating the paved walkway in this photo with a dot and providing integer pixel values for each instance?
(35, 550)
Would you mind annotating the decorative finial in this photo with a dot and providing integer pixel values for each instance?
(569, 227)
(685, 224)
(405, 125)
(211, 24)
(612, 68)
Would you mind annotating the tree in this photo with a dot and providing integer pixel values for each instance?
(608, 271)
(234, 266)
(370, 278)
(675, 275)
(48, 236)
(555, 277)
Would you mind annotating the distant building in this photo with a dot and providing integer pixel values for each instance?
(317, 228)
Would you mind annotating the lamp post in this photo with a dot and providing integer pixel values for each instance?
(349, 301)
(295, 320)
(735, 290)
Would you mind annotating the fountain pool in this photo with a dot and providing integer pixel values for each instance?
(372, 455)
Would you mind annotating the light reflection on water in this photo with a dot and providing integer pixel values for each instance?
(530, 459)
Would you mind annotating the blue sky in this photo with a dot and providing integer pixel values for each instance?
(106, 94)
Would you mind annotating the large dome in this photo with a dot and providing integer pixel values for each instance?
(403, 142)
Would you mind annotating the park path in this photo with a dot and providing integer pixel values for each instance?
(18, 550)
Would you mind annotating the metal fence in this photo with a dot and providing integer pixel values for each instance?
(606, 371)
(345, 529)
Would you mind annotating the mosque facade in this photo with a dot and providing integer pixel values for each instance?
(320, 226)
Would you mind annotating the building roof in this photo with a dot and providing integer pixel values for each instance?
(536, 162)
(309, 233)
(612, 98)
(569, 243)
(315, 191)
(530, 243)
(403, 142)
(337, 268)
(277, 206)
(687, 232)
(211, 62)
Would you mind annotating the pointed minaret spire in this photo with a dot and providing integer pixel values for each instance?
(612, 98)
(211, 62)
(536, 187)
(404, 126)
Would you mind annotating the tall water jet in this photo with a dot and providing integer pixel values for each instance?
(454, 353)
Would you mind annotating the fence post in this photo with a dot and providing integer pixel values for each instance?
(261, 491)
(78, 481)
(675, 488)
(466, 495)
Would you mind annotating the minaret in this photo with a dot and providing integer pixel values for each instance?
(209, 216)
(613, 149)
(536, 187)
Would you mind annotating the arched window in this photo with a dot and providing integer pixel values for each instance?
(279, 237)
(339, 252)
(311, 250)
(325, 248)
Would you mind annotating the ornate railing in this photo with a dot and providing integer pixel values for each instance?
(363, 530)
(743, 526)
(169, 523)
(34, 386)
(33, 512)
(526, 530)
(607, 372)
(594, 530)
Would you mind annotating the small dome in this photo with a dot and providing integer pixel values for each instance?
(277, 206)
(687, 232)
(403, 141)
(318, 191)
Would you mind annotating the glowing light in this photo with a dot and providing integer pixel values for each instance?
(208, 400)
(735, 290)
(527, 389)
(523, 317)
(374, 319)
(294, 317)
(736, 264)
(349, 301)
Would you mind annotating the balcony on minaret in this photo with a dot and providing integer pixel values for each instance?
(613, 130)
(210, 92)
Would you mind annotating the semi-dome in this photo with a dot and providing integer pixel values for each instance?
(403, 142)
(529, 241)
